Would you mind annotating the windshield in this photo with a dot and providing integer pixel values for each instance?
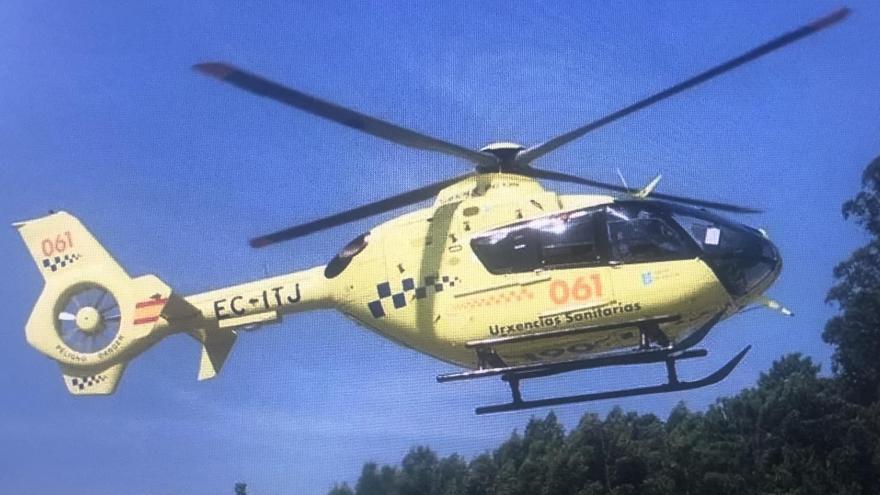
(741, 256)
(631, 232)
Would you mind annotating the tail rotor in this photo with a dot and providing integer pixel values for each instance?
(88, 319)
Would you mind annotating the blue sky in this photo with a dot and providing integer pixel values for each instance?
(173, 172)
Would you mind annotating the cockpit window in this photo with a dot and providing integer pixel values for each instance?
(741, 257)
(622, 232)
(711, 233)
(632, 232)
(640, 234)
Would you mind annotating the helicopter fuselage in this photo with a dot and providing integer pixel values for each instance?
(498, 256)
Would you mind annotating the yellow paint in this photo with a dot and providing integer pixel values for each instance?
(472, 304)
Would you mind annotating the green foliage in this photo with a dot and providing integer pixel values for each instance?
(342, 489)
(855, 333)
(790, 434)
(376, 481)
(793, 433)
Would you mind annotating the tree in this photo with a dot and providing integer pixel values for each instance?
(450, 476)
(374, 481)
(342, 489)
(241, 489)
(481, 474)
(582, 463)
(542, 443)
(792, 433)
(417, 472)
(855, 333)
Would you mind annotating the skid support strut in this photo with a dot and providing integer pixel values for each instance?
(673, 384)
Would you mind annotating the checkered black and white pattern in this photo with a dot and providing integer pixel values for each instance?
(82, 382)
(57, 262)
(410, 291)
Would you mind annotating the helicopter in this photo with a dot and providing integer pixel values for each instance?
(499, 276)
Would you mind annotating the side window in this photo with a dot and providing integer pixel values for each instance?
(567, 239)
(571, 239)
(639, 235)
(509, 250)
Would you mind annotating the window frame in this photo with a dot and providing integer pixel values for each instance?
(660, 210)
(664, 212)
(482, 256)
(599, 231)
(600, 236)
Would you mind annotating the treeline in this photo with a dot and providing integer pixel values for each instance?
(794, 432)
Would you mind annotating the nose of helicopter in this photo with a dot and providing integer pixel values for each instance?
(770, 264)
(748, 266)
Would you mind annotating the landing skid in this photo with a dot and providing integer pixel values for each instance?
(673, 384)
(491, 364)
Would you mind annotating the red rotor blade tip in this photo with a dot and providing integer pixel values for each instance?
(260, 242)
(214, 69)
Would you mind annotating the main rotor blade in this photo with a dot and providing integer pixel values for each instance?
(341, 115)
(364, 211)
(527, 156)
(561, 177)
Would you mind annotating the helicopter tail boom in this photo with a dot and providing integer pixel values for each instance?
(93, 318)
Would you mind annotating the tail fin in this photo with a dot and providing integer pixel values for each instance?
(92, 318)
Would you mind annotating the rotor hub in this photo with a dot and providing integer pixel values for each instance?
(505, 152)
(89, 320)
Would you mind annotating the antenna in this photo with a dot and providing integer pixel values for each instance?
(623, 180)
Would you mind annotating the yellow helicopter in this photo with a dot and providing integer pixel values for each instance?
(499, 276)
